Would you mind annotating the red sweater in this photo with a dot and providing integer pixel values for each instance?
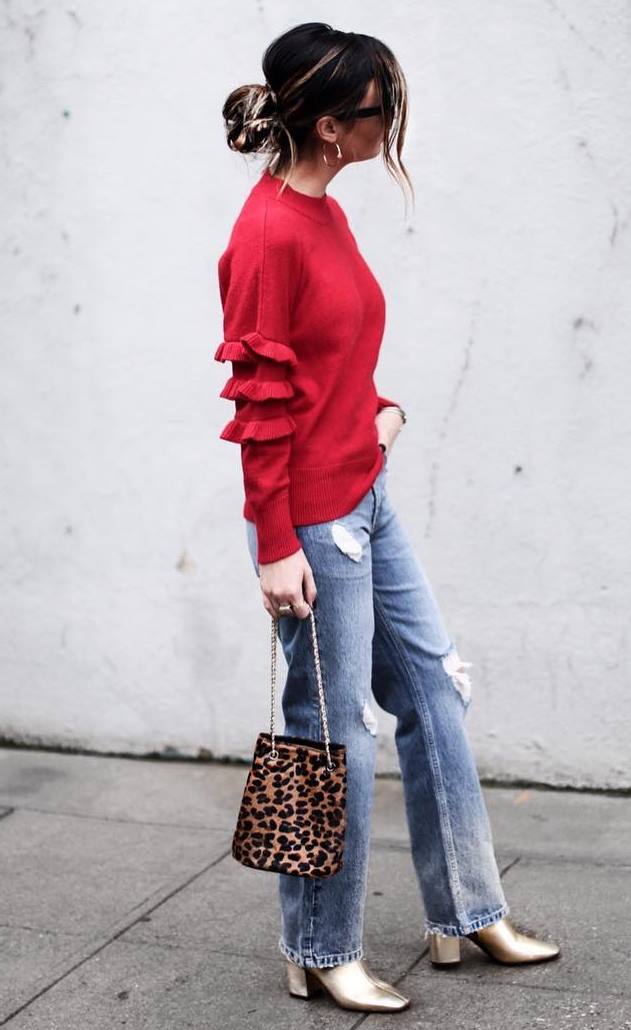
(303, 323)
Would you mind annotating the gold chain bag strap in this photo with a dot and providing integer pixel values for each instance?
(292, 817)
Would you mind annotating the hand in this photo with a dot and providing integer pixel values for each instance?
(389, 423)
(288, 581)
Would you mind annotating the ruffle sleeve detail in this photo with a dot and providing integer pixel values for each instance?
(270, 349)
(259, 385)
(257, 389)
(232, 350)
(258, 429)
(252, 346)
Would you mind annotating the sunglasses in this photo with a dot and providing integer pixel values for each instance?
(362, 112)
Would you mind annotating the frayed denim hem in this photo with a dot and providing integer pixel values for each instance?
(318, 961)
(446, 930)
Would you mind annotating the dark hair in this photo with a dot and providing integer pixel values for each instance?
(310, 71)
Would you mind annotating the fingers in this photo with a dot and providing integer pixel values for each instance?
(299, 607)
(301, 603)
(308, 586)
(278, 593)
(269, 608)
(272, 604)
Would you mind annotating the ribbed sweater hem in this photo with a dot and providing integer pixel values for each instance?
(322, 493)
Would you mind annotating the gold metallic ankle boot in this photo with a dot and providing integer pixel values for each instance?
(501, 941)
(350, 984)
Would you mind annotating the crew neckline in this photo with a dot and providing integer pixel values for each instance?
(315, 207)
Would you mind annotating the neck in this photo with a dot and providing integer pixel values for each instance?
(309, 176)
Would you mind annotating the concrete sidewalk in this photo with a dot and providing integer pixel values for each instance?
(123, 907)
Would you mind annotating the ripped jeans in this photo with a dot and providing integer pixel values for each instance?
(379, 629)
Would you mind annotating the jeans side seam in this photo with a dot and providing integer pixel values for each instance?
(315, 882)
(311, 884)
(444, 820)
(314, 906)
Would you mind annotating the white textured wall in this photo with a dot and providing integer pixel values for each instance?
(131, 617)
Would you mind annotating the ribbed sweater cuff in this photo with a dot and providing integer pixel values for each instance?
(275, 532)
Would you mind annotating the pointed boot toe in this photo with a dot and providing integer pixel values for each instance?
(504, 943)
(351, 985)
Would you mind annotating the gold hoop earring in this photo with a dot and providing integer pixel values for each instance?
(339, 154)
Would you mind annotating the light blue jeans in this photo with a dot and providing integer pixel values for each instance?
(379, 630)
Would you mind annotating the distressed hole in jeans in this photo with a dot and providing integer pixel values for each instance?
(369, 718)
(346, 541)
(456, 669)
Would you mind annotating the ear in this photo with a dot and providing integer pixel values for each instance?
(327, 129)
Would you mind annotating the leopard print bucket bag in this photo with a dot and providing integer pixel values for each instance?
(292, 817)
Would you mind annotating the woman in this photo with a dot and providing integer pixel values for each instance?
(303, 322)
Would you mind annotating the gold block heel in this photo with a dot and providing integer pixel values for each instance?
(351, 985)
(302, 983)
(444, 951)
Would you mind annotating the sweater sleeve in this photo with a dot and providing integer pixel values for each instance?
(257, 281)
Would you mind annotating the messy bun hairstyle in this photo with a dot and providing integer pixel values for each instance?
(310, 71)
